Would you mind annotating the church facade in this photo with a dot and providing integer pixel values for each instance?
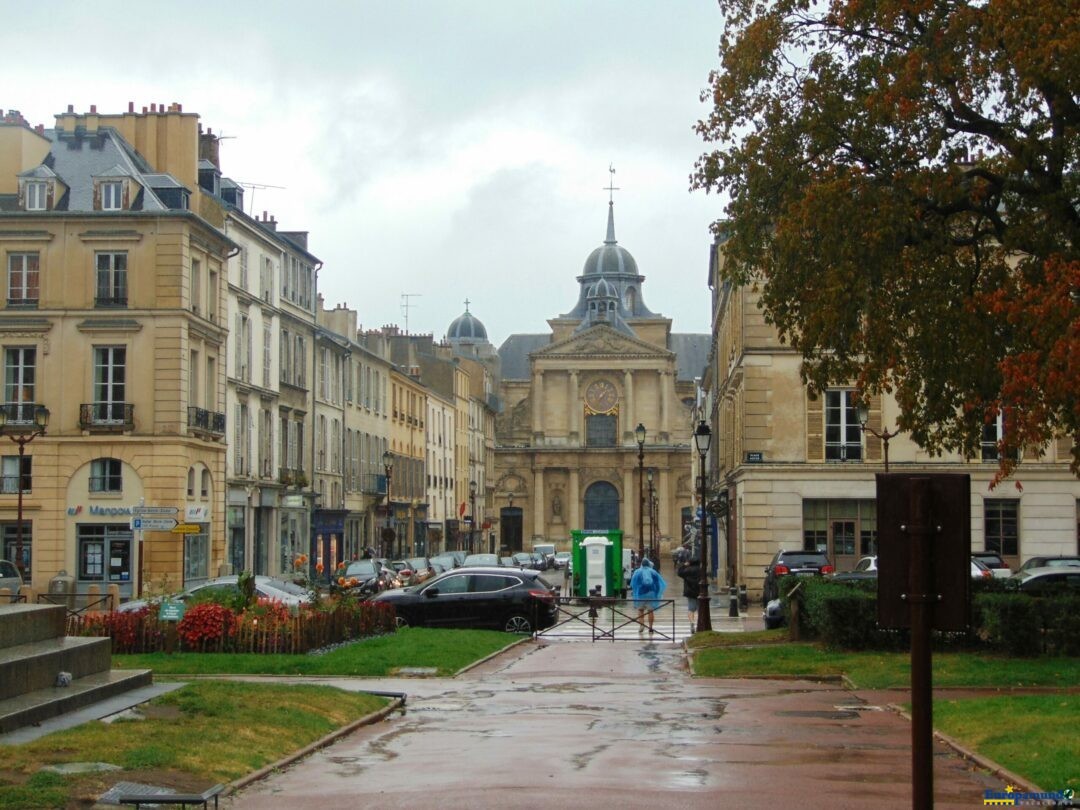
(566, 454)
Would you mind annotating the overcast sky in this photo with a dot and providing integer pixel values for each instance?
(447, 150)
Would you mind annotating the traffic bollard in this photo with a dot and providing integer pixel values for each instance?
(733, 603)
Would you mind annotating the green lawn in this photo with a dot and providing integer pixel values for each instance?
(1032, 735)
(879, 670)
(203, 733)
(445, 650)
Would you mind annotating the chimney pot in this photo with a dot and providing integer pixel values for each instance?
(144, 110)
(131, 106)
(71, 108)
(153, 108)
(93, 108)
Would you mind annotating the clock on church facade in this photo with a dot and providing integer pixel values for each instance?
(601, 396)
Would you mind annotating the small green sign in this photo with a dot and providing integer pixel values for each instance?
(171, 611)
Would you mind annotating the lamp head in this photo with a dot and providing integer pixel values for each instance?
(472, 488)
(862, 412)
(702, 438)
(650, 474)
(41, 417)
(388, 460)
(639, 434)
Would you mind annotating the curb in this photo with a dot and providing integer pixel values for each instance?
(986, 763)
(487, 658)
(333, 736)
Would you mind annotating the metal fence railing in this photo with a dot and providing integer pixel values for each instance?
(603, 618)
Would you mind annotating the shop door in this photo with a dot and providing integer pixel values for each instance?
(844, 553)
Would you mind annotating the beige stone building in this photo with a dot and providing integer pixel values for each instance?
(799, 470)
(566, 456)
(114, 320)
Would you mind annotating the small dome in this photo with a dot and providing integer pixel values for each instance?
(466, 327)
(608, 260)
(603, 289)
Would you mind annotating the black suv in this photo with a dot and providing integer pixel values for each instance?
(801, 563)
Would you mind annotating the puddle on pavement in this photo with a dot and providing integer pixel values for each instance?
(688, 779)
(582, 760)
(823, 714)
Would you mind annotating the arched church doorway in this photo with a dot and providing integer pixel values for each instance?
(601, 507)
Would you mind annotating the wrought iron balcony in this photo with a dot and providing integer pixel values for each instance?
(107, 416)
(202, 419)
(373, 484)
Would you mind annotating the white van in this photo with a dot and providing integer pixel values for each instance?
(548, 550)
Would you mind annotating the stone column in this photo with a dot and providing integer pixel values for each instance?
(628, 519)
(538, 405)
(629, 407)
(538, 503)
(575, 406)
(662, 396)
(667, 517)
(574, 496)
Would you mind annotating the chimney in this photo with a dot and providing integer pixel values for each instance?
(153, 108)
(209, 148)
(131, 106)
(93, 109)
(71, 108)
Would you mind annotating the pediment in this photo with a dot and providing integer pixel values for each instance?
(602, 341)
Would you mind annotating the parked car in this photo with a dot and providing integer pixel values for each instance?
(508, 562)
(1046, 580)
(980, 570)
(421, 569)
(447, 561)
(365, 577)
(222, 588)
(562, 559)
(509, 599)
(992, 560)
(459, 557)
(482, 559)
(800, 563)
(10, 577)
(1060, 561)
(865, 569)
(542, 562)
(523, 559)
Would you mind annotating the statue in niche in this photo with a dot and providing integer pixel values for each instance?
(556, 508)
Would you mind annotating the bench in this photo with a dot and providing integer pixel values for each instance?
(182, 799)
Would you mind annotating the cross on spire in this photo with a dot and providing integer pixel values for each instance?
(467, 302)
(611, 188)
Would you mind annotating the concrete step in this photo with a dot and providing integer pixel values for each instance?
(42, 704)
(22, 623)
(33, 666)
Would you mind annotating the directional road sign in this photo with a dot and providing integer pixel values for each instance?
(141, 511)
(153, 524)
(187, 528)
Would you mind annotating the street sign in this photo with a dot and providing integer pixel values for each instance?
(152, 524)
(187, 528)
(141, 511)
(171, 611)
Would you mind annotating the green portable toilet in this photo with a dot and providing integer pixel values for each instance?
(598, 562)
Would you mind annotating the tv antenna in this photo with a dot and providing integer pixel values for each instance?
(253, 187)
(406, 305)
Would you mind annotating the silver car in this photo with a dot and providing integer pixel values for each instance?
(279, 590)
(10, 577)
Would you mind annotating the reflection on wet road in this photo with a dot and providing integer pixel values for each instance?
(623, 723)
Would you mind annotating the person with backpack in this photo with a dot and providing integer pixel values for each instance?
(690, 573)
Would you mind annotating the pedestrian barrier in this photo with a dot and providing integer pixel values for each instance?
(604, 617)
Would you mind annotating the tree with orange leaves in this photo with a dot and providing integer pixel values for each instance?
(903, 184)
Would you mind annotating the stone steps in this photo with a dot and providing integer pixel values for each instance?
(41, 704)
(34, 650)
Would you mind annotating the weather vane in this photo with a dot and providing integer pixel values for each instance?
(612, 188)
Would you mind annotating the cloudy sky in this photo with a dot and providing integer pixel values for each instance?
(444, 150)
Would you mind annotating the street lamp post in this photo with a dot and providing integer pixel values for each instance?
(388, 468)
(21, 430)
(639, 434)
(863, 412)
(652, 520)
(702, 440)
(472, 516)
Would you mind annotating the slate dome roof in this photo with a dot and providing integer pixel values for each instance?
(466, 327)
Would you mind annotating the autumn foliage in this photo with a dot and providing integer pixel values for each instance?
(902, 182)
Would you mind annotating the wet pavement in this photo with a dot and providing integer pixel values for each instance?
(573, 723)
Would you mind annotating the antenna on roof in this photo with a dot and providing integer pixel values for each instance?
(405, 305)
(253, 186)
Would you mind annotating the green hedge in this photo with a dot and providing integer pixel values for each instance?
(844, 616)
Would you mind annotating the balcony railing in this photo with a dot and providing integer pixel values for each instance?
(112, 300)
(20, 413)
(9, 484)
(202, 419)
(107, 416)
(373, 484)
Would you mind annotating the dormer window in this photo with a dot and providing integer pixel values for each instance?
(112, 195)
(37, 195)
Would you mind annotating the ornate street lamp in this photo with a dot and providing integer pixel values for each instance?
(22, 424)
(639, 435)
(702, 440)
(388, 532)
(653, 555)
(472, 515)
(863, 412)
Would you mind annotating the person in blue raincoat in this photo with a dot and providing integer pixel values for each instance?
(647, 587)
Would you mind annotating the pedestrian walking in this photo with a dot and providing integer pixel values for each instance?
(682, 555)
(690, 573)
(647, 586)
